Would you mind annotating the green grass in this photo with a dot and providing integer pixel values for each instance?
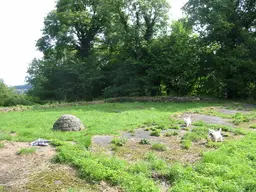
(145, 142)
(159, 147)
(1, 145)
(171, 133)
(132, 177)
(156, 132)
(253, 126)
(232, 167)
(121, 141)
(26, 151)
(99, 119)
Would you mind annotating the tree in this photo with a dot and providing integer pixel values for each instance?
(174, 60)
(74, 26)
(135, 25)
(227, 29)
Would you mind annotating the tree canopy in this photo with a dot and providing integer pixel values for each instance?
(109, 48)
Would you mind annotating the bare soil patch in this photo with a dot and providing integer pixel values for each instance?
(36, 172)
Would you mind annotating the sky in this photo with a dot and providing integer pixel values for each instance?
(21, 24)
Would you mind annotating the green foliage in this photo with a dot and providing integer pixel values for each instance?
(239, 118)
(113, 48)
(37, 122)
(159, 147)
(231, 163)
(253, 126)
(8, 97)
(186, 143)
(145, 142)
(26, 151)
(156, 132)
(198, 123)
(119, 141)
(96, 168)
(169, 134)
(227, 43)
(1, 145)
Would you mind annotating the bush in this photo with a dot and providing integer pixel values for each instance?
(8, 97)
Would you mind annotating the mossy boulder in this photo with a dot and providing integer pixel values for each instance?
(68, 123)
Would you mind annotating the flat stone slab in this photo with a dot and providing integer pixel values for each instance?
(102, 140)
(231, 112)
(210, 119)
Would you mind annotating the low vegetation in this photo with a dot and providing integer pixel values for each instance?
(1, 145)
(231, 161)
(145, 142)
(159, 147)
(26, 151)
(253, 126)
(119, 141)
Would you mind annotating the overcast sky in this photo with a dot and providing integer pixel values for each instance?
(21, 24)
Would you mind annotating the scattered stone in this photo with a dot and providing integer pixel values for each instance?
(40, 142)
(68, 123)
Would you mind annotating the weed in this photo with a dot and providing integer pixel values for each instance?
(211, 144)
(238, 118)
(253, 126)
(1, 145)
(159, 147)
(132, 177)
(131, 131)
(174, 127)
(156, 133)
(169, 134)
(186, 144)
(199, 123)
(26, 151)
(145, 142)
(121, 141)
(5, 136)
(194, 136)
(161, 127)
(231, 163)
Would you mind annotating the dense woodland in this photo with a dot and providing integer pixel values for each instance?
(110, 48)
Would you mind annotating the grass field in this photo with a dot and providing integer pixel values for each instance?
(228, 166)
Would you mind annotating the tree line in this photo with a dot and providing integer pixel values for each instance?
(111, 48)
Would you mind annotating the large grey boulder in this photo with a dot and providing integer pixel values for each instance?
(68, 123)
